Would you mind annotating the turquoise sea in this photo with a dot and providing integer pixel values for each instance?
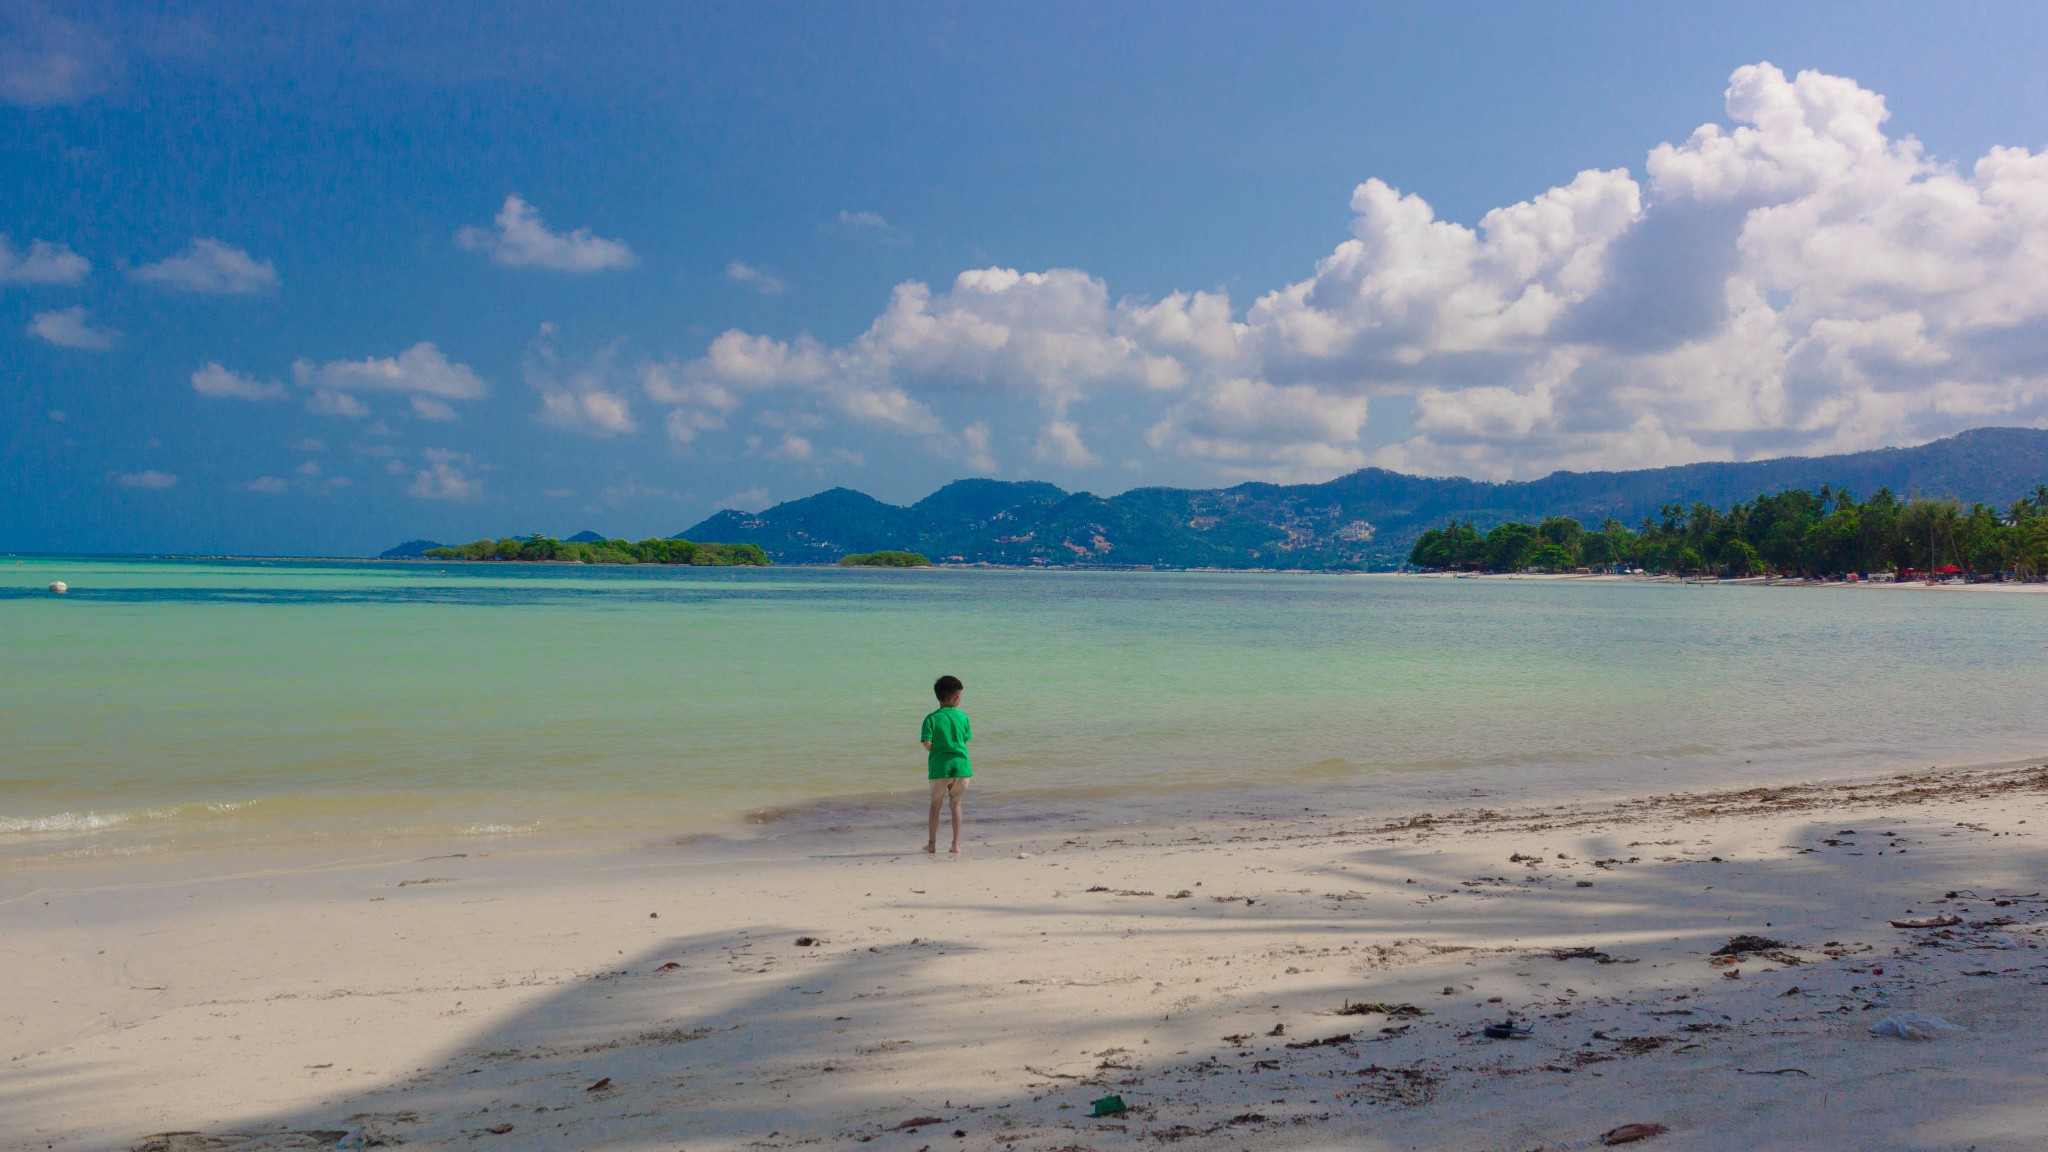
(162, 705)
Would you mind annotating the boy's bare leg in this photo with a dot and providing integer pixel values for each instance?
(955, 790)
(931, 841)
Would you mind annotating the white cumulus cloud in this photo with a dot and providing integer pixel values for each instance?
(583, 394)
(522, 240)
(217, 382)
(324, 402)
(759, 279)
(445, 477)
(749, 498)
(791, 449)
(43, 263)
(307, 477)
(72, 328)
(603, 412)
(1795, 279)
(1052, 336)
(428, 408)
(1247, 427)
(974, 438)
(207, 265)
(697, 405)
(422, 371)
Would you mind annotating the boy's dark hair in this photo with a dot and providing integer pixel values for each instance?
(947, 687)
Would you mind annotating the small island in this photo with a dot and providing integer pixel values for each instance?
(537, 549)
(884, 560)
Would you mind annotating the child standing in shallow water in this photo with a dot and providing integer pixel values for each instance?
(945, 736)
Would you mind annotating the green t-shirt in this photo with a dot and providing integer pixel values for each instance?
(949, 733)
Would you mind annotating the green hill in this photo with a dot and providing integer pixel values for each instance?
(1368, 519)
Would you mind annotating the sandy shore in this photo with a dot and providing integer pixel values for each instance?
(721, 996)
(1730, 582)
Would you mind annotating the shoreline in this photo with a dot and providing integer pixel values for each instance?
(1196, 969)
(1728, 582)
(937, 566)
(869, 819)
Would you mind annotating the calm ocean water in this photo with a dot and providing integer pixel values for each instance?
(181, 704)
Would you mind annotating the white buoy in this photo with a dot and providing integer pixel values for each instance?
(59, 587)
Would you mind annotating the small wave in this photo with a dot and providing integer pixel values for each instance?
(500, 830)
(79, 821)
(94, 820)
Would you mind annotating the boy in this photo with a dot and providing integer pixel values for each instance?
(945, 736)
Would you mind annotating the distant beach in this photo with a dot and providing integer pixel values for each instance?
(1740, 581)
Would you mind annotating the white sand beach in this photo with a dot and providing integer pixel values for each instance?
(725, 996)
(2023, 587)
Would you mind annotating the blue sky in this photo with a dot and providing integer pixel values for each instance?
(314, 281)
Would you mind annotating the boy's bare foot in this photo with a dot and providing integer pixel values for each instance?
(931, 846)
(955, 848)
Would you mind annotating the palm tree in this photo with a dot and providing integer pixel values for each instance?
(1932, 521)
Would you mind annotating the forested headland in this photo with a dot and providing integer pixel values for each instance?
(542, 549)
(1828, 533)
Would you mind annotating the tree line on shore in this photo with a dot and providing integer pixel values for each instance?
(538, 548)
(885, 559)
(1794, 533)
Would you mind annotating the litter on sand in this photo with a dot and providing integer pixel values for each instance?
(1593, 954)
(1945, 920)
(1508, 1031)
(1630, 1133)
(1371, 1007)
(1342, 1038)
(1913, 1026)
(1737, 945)
(1109, 1106)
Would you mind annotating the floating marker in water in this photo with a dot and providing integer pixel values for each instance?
(59, 587)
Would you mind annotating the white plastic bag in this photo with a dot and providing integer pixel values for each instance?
(1913, 1026)
(367, 1136)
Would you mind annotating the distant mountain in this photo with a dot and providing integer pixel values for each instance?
(585, 537)
(410, 550)
(1368, 519)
